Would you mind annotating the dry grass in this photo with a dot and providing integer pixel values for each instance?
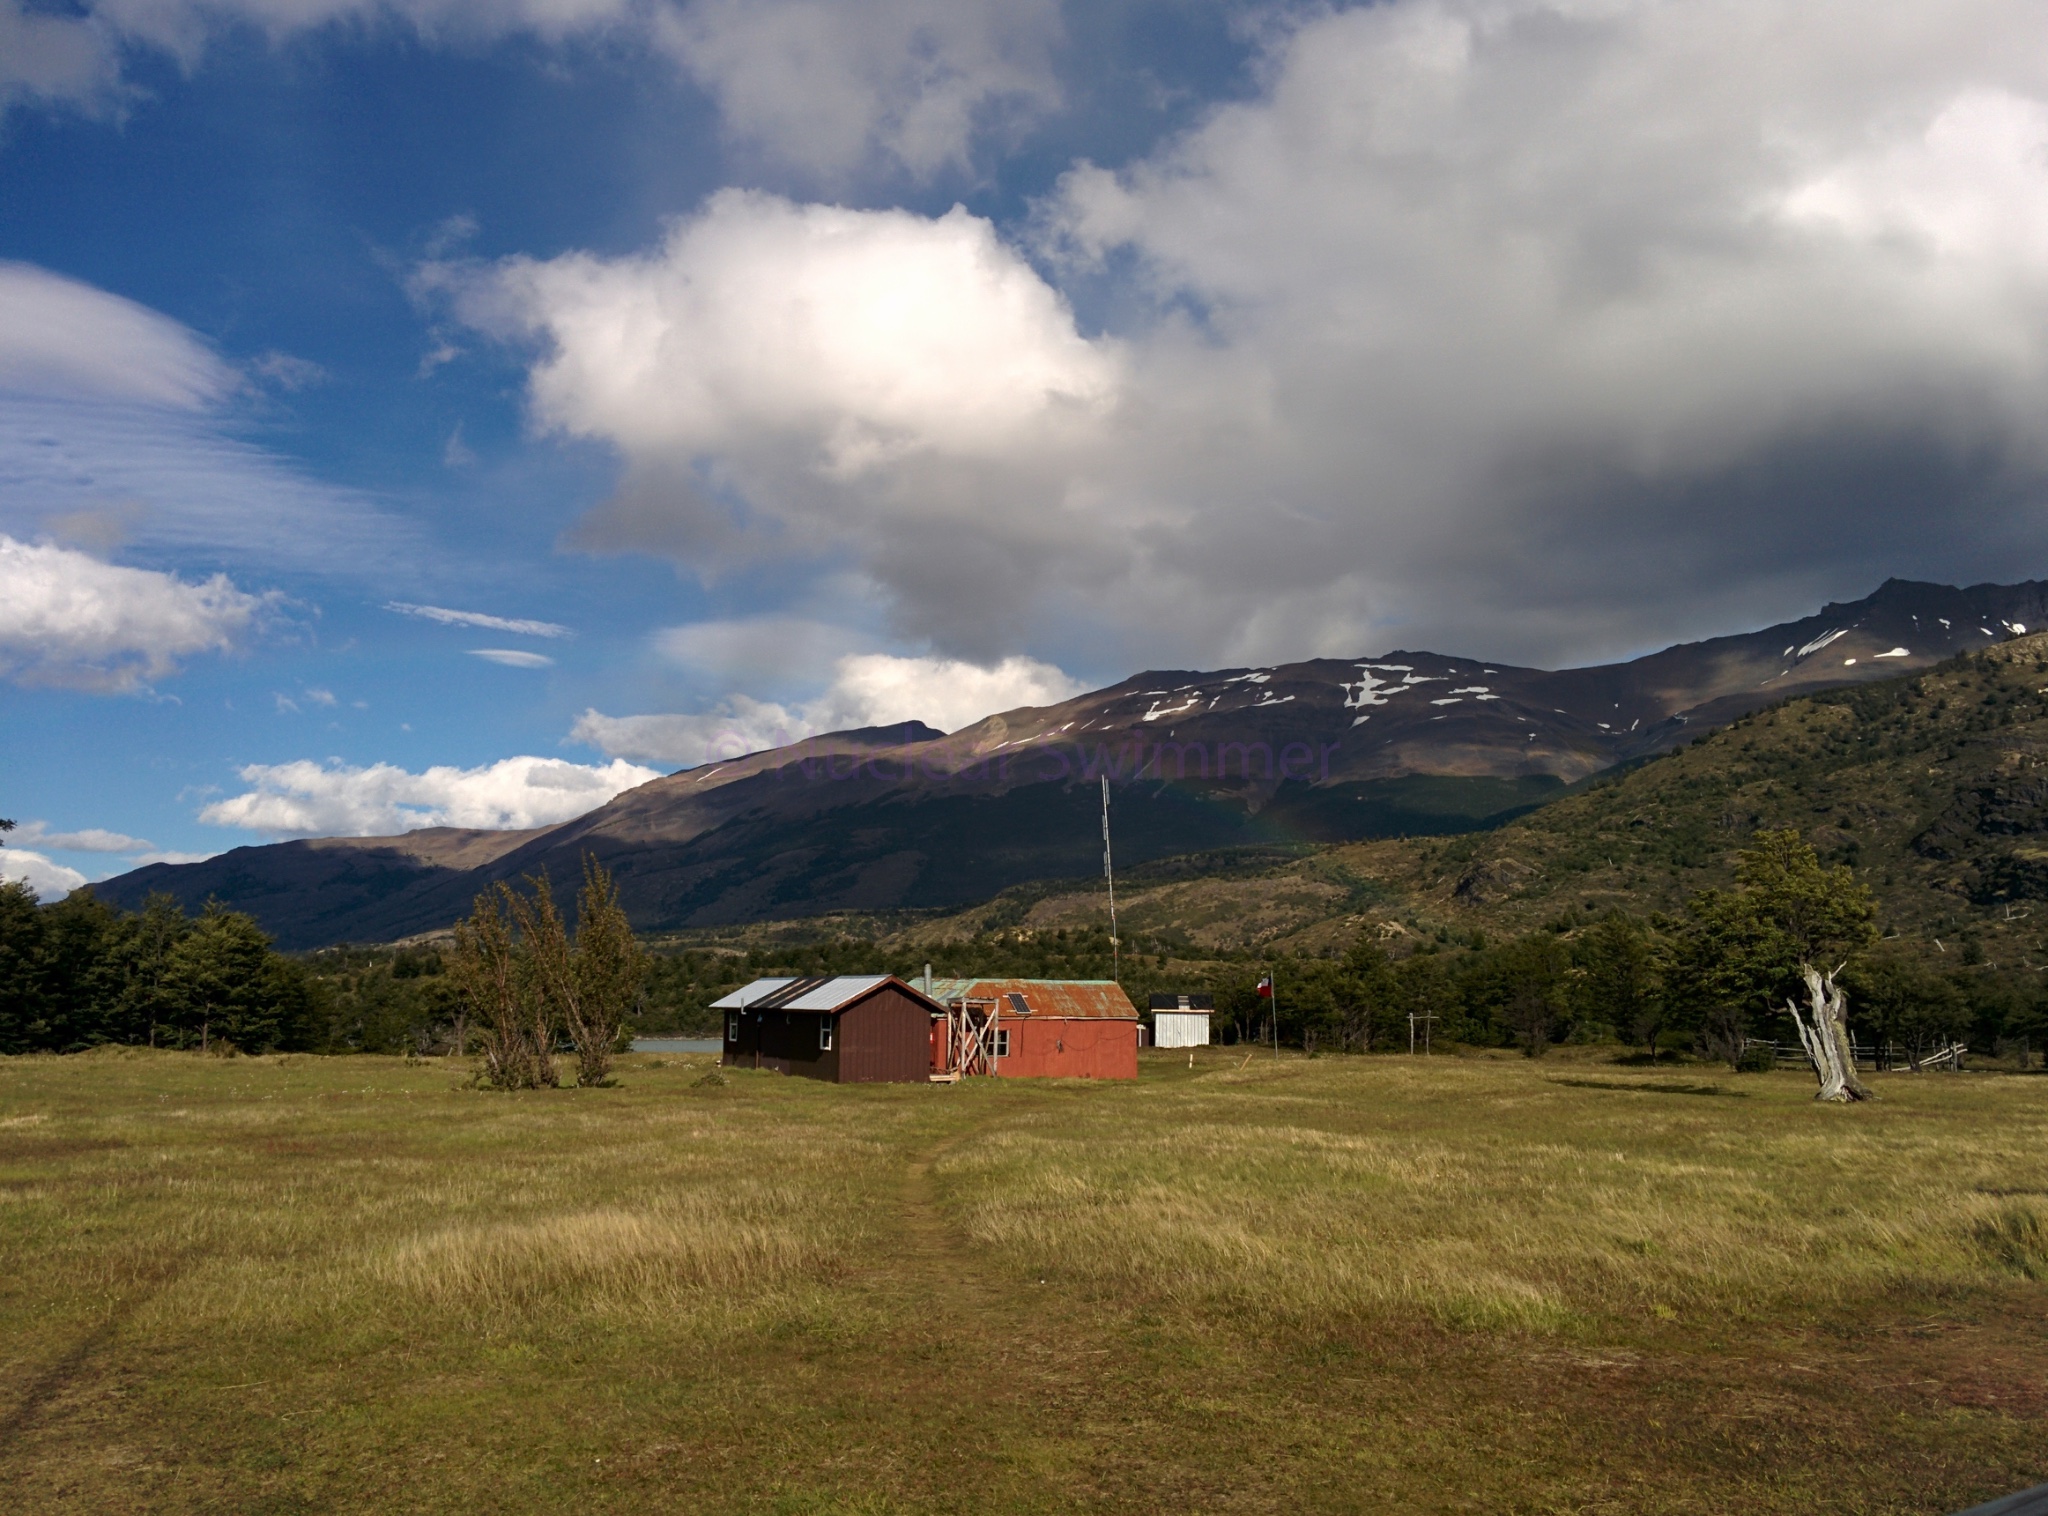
(1340, 1284)
(1488, 1194)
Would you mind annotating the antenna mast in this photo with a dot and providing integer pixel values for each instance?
(1115, 951)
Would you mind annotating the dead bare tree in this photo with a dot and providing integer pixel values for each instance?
(1826, 1039)
(498, 986)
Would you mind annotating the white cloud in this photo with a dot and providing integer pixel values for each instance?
(878, 689)
(830, 85)
(858, 337)
(51, 877)
(287, 372)
(739, 725)
(48, 58)
(512, 657)
(336, 799)
(478, 619)
(50, 880)
(60, 337)
(827, 86)
(867, 689)
(90, 840)
(812, 382)
(113, 426)
(69, 619)
(758, 649)
(143, 860)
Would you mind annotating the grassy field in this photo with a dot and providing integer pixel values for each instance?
(300, 1284)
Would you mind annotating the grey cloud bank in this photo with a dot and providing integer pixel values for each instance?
(1543, 330)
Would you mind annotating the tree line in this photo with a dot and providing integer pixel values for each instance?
(76, 973)
(1729, 970)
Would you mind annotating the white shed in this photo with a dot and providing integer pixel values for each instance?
(1181, 1021)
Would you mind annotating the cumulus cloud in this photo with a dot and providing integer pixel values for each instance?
(867, 689)
(809, 381)
(856, 337)
(478, 619)
(1527, 326)
(305, 798)
(49, 879)
(68, 619)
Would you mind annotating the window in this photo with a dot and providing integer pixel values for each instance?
(1003, 1043)
(732, 1028)
(825, 1035)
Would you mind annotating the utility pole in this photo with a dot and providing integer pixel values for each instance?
(1115, 950)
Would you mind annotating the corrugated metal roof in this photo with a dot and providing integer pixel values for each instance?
(829, 994)
(1095, 999)
(1201, 1002)
(750, 995)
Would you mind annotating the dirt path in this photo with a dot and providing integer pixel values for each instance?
(982, 1374)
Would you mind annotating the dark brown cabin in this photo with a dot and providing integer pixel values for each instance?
(854, 1029)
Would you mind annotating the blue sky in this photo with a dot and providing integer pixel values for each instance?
(811, 363)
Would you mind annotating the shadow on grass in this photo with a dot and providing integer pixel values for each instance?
(1653, 1089)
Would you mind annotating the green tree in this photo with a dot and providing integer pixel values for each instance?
(1623, 979)
(592, 981)
(223, 982)
(24, 1004)
(500, 993)
(141, 949)
(1369, 993)
(1908, 1005)
(1536, 1000)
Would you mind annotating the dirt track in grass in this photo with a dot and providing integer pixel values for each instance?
(1329, 1285)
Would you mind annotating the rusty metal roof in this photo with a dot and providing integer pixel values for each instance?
(1093, 999)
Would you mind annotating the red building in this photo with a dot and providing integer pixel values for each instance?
(1034, 1029)
(854, 1029)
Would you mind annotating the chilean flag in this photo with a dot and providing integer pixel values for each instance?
(1265, 986)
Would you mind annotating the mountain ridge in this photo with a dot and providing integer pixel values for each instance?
(1325, 750)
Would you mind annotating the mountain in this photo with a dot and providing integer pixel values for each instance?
(1328, 750)
(1932, 786)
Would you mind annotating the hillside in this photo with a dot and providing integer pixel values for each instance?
(1314, 753)
(1934, 787)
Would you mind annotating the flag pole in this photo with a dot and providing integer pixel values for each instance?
(1270, 993)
